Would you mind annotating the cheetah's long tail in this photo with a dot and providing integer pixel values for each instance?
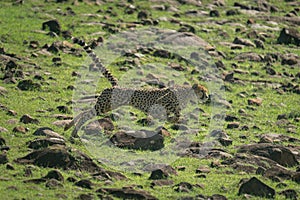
(106, 73)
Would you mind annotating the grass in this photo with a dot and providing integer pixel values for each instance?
(21, 24)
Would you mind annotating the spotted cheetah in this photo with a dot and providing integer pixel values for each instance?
(152, 101)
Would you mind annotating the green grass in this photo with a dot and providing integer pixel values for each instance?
(22, 24)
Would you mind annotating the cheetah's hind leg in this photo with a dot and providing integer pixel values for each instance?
(79, 120)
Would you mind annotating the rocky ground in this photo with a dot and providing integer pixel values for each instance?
(254, 46)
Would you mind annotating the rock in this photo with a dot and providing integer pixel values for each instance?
(270, 71)
(60, 157)
(277, 172)
(90, 197)
(97, 126)
(54, 174)
(162, 172)
(202, 169)
(2, 130)
(256, 101)
(142, 15)
(53, 26)
(127, 193)
(2, 141)
(142, 140)
(277, 153)
(217, 197)
(48, 132)
(27, 119)
(26, 85)
(289, 194)
(214, 13)
(249, 57)
(53, 183)
(3, 158)
(161, 182)
(276, 138)
(45, 142)
(289, 36)
(61, 123)
(256, 188)
(289, 60)
(183, 38)
(244, 42)
(259, 44)
(63, 109)
(3, 90)
(183, 187)
(84, 183)
(233, 125)
(20, 129)
(10, 166)
(296, 177)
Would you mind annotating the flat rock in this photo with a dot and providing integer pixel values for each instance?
(26, 85)
(48, 132)
(275, 138)
(249, 57)
(277, 153)
(84, 183)
(256, 188)
(255, 101)
(61, 157)
(161, 182)
(183, 187)
(61, 123)
(20, 129)
(142, 140)
(162, 172)
(244, 42)
(45, 142)
(127, 193)
(27, 119)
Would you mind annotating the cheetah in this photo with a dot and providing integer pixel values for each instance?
(169, 99)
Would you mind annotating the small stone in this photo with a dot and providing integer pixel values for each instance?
(10, 166)
(233, 125)
(259, 44)
(161, 182)
(256, 101)
(54, 174)
(20, 129)
(2, 130)
(12, 113)
(183, 187)
(244, 42)
(26, 85)
(53, 26)
(202, 169)
(289, 61)
(3, 158)
(214, 13)
(27, 119)
(84, 183)
(53, 183)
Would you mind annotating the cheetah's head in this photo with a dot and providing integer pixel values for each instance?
(201, 92)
